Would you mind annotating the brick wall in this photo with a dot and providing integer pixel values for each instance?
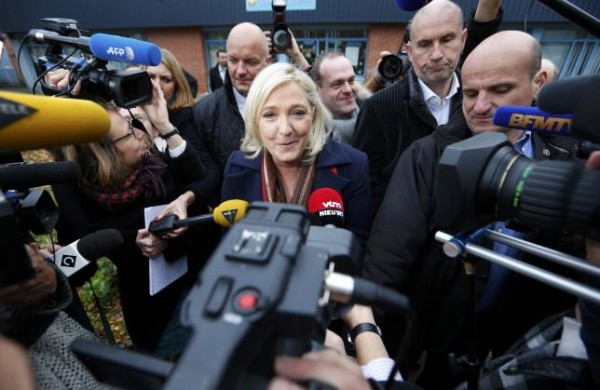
(382, 37)
(187, 45)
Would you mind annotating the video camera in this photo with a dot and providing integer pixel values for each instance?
(281, 36)
(22, 212)
(483, 179)
(87, 59)
(267, 290)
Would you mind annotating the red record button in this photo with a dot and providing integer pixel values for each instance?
(247, 300)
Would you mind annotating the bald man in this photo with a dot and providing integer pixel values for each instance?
(219, 117)
(551, 69)
(430, 94)
(401, 251)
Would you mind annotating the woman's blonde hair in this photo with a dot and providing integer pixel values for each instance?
(183, 94)
(270, 78)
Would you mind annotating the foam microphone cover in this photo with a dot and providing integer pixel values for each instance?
(99, 244)
(38, 174)
(410, 5)
(326, 203)
(564, 96)
(115, 48)
(32, 122)
(230, 212)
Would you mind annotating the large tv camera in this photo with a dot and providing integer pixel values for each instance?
(483, 179)
(87, 59)
(266, 291)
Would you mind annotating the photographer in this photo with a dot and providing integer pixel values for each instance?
(402, 252)
(122, 175)
(31, 313)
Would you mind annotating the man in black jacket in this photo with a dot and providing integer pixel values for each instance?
(430, 95)
(218, 72)
(219, 117)
(402, 252)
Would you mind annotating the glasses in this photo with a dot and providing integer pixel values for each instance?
(133, 123)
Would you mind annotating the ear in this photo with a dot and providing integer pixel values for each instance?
(539, 80)
(409, 50)
(269, 59)
(463, 39)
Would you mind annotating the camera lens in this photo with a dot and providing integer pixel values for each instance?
(393, 66)
(483, 179)
(281, 39)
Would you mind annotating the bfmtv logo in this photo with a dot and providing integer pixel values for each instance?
(123, 52)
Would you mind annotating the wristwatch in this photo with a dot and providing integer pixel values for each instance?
(363, 327)
(170, 133)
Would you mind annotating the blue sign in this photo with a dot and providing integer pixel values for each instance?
(292, 5)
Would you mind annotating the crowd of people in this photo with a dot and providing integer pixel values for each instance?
(277, 132)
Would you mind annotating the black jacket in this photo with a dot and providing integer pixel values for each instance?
(214, 78)
(145, 316)
(220, 128)
(390, 120)
(403, 254)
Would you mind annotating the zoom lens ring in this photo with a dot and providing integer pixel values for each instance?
(542, 193)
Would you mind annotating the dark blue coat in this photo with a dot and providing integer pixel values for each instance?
(242, 181)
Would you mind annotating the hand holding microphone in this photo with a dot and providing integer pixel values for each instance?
(225, 215)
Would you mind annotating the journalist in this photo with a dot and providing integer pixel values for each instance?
(121, 175)
(402, 252)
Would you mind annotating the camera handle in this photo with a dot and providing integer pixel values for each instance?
(468, 363)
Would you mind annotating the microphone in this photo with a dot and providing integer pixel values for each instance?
(225, 215)
(77, 255)
(565, 95)
(346, 289)
(326, 204)
(34, 122)
(410, 5)
(115, 48)
(26, 175)
(579, 96)
(54, 37)
(533, 119)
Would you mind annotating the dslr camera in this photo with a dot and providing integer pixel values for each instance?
(67, 48)
(394, 66)
(280, 36)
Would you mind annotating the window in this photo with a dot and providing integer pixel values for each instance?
(573, 51)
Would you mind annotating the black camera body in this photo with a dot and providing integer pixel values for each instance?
(482, 179)
(394, 66)
(280, 37)
(69, 49)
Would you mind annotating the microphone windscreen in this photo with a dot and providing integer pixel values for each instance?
(564, 96)
(230, 212)
(532, 119)
(36, 122)
(26, 175)
(326, 203)
(99, 244)
(410, 5)
(115, 48)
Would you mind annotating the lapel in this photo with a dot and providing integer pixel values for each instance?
(332, 157)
